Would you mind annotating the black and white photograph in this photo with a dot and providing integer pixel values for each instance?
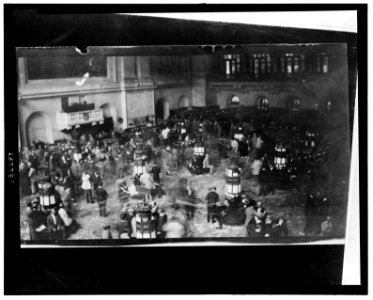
(231, 134)
(229, 141)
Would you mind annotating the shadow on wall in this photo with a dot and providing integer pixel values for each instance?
(110, 116)
(183, 102)
(162, 108)
(39, 128)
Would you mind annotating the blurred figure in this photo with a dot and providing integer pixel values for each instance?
(87, 188)
(37, 220)
(191, 208)
(174, 229)
(96, 179)
(280, 227)
(24, 180)
(267, 225)
(32, 175)
(327, 227)
(147, 182)
(123, 227)
(250, 214)
(234, 145)
(212, 199)
(101, 199)
(162, 220)
(106, 233)
(55, 225)
(207, 165)
(156, 171)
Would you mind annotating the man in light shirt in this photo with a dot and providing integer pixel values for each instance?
(165, 133)
(147, 181)
(234, 145)
(86, 186)
(207, 165)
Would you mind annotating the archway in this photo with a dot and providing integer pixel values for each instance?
(233, 100)
(294, 104)
(183, 102)
(38, 128)
(162, 108)
(110, 117)
(262, 103)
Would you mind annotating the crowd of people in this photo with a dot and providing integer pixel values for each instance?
(79, 168)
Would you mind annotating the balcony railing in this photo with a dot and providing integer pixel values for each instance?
(68, 120)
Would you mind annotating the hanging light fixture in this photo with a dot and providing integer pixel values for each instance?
(232, 181)
(145, 223)
(47, 195)
(199, 149)
(238, 135)
(310, 140)
(280, 157)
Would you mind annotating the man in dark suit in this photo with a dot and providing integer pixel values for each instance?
(101, 199)
(54, 225)
(212, 199)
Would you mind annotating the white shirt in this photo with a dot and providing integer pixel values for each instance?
(147, 181)
(165, 132)
(234, 145)
(86, 185)
(256, 167)
(206, 162)
(174, 230)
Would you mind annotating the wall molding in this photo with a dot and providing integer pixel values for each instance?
(86, 92)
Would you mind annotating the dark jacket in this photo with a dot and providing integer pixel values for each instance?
(212, 199)
(162, 220)
(156, 171)
(101, 195)
(96, 180)
(36, 219)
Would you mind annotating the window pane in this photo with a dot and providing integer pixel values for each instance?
(263, 64)
(325, 64)
(51, 67)
(282, 64)
(318, 63)
(288, 66)
(296, 64)
(302, 63)
(227, 68)
(238, 64)
(256, 66)
(274, 64)
(233, 67)
(269, 63)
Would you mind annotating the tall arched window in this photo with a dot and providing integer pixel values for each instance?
(232, 65)
(262, 103)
